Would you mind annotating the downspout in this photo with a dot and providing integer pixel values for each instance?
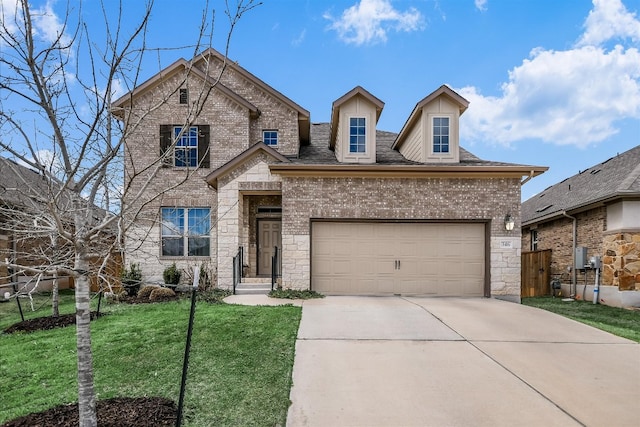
(574, 277)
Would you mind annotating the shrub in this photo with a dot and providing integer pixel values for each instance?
(131, 278)
(146, 290)
(171, 275)
(160, 293)
(294, 294)
(213, 296)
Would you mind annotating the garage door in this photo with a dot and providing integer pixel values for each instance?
(440, 259)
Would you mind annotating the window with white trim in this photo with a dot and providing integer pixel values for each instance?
(441, 134)
(185, 232)
(534, 240)
(357, 134)
(186, 151)
(270, 137)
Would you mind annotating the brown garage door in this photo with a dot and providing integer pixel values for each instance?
(443, 259)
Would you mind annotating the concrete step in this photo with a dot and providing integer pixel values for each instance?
(253, 287)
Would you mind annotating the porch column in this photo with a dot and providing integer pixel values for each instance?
(228, 228)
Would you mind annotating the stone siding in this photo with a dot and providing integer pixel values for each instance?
(621, 261)
(403, 199)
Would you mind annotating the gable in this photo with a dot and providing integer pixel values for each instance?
(353, 126)
(431, 134)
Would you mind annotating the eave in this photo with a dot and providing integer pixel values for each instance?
(212, 178)
(404, 171)
(592, 204)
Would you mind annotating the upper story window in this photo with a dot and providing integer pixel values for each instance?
(186, 151)
(534, 240)
(440, 134)
(185, 231)
(184, 96)
(270, 137)
(357, 135)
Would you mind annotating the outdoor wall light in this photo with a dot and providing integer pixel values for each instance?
(509, 222)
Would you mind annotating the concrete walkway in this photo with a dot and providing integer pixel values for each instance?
(392, 361)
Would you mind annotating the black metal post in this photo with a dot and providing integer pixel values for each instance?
(185, 364)
(99, 302)
(15, 290)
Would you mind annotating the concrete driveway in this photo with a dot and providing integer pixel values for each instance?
(396, 361)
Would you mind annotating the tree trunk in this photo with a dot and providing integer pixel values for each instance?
(55, 300)
(86, 393)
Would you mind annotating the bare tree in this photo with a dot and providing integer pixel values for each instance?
(56, 91)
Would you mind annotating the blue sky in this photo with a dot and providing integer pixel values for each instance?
(550, 83)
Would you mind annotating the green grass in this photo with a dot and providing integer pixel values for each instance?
(618, 321)
(294, 294)
(239, 368)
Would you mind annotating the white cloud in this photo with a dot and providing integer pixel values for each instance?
(298, 40)
(369, 21)
(609, 20)
(481, 5)
(574, 96)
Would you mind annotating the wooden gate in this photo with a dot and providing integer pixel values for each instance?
(536, 273)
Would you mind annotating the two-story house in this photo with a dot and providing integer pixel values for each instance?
(352, 209)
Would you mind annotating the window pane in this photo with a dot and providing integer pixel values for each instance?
(199, 222)
(198, 246)
(172, 222)
(172, 246)
(192, 157)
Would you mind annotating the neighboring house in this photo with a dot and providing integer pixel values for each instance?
(25, 238)
(354, 210)
(597, 209)
(22, 190)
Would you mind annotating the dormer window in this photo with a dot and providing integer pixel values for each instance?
(357, 135)
(440, 134)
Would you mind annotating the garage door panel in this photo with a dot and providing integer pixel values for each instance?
(435, 258)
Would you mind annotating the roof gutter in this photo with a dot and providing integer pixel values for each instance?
(531, 175)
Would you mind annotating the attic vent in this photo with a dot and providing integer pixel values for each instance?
(595, 171)
(543, 209)
(184, 96)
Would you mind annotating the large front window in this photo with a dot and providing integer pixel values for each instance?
(440, 134)
(357, 135)
(186, 154)
(185, 231)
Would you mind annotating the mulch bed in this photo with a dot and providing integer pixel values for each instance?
(116, 412)
(44, 323)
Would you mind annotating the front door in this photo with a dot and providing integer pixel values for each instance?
(269, 236)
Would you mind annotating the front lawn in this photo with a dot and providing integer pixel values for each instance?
(618, 321)
(239, 369)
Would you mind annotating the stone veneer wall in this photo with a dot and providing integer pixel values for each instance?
(402, 198)
(252, 177)
(621, 261)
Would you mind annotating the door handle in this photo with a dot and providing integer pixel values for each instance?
(398, 264)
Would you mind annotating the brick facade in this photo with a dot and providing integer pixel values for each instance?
(557, 236)
(151, 186)
(412, 199)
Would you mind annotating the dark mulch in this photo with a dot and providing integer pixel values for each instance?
(44, 323)
(116, 412)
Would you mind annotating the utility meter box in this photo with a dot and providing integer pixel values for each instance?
(595, 262)
(581, 259)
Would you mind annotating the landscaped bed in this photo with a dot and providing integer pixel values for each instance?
(239, 372)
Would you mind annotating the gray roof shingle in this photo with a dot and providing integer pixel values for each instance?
(615, 177)
(318, 152)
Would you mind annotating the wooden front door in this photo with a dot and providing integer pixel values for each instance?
(269, 236)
